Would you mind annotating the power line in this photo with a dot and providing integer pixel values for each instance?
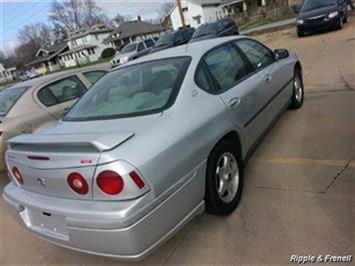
(20, 15)
(38, 11)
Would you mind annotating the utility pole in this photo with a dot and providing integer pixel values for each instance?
(178, 3)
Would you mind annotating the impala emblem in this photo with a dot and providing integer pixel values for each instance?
(41, 181)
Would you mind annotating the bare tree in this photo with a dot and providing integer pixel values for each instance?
(74, 14)
(118, 19)
(92, 13)
(166, 8)
(38, 35)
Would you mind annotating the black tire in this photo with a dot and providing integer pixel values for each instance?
(340, 23)
(297, 97)
(300, 34)
(214, 203)
(345, 20)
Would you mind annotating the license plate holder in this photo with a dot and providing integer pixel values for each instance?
(46, 223)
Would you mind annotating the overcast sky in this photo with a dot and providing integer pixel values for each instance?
(15, 14)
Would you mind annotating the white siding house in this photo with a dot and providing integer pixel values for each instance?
(6, 74)
(85, 46)
(196, 12)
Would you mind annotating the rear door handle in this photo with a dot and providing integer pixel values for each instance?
(267, 78)
(233, 103)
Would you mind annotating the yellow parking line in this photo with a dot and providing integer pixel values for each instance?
(303, 161)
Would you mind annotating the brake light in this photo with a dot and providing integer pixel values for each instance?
(78, 183)
(109, 182)
(17, 175)
(136, 178)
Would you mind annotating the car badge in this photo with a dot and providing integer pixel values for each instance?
(41, 181)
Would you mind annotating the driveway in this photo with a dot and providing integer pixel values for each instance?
(299, 185)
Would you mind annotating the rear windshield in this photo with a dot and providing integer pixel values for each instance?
(167, 39)
(206, 29)
(134, 90)
(9, 97)
(309, 5)
(129, 48)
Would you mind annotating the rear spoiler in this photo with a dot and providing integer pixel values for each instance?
(99, 142)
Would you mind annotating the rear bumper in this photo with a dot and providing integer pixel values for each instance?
(127, 230)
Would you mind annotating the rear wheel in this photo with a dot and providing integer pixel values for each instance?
(224, 178)
(298, 91)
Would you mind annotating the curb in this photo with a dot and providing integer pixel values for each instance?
(269, 30)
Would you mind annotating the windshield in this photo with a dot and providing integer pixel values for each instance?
(167, 39)
(129, 48)
(135, 90)
(8, 98)
(314, 4)
(206, 29)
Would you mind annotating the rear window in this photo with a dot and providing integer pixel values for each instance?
(134, 90)
(9, 97)
(206, 29)
(93, 76)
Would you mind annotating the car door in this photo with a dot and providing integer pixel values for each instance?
(276, 74)
(240, 89)
(58, 96)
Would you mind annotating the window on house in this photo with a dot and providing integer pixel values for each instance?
(184, 9)
(93, 50)
(89, 51)
(96, 37)
(71, 56)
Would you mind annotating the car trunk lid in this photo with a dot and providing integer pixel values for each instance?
(46, 161)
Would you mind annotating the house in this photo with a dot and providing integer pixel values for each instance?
(85, 46)
(131, 31)
(47, 58)
(250, 10)
(195, 12)
(7, 74)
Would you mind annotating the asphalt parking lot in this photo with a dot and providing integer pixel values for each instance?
(299, 185)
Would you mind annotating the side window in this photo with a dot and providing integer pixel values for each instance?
(258, 55)
(140, 46)
(226, 66)
(61, 91)
(202, 80)
(93, 76)
(149, 43)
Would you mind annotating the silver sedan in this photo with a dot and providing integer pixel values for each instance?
(150, 145)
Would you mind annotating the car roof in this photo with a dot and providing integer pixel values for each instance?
(194, 50)
(44, 79)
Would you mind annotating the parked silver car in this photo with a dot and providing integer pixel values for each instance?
(130, 50)
(35, 105)
(151, 145)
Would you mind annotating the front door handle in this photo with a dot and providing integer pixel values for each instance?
(233, 103)
(267, 78)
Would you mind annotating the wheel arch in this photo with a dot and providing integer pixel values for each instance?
(233, 136)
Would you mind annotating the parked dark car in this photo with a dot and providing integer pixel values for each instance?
(174, 38)
(219, 28)
(315, 15)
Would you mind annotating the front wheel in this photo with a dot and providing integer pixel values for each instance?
(340, 23)
(300, 33)
(224, 178)
(298, 91)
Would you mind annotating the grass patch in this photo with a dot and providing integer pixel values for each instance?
(8, 83)
(265, 21)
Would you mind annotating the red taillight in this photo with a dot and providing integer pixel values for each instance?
(17, 175)
(78, 183)
(135, 177)
(110, 182)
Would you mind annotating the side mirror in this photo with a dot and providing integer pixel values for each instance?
(281, 54)
(297, 8)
